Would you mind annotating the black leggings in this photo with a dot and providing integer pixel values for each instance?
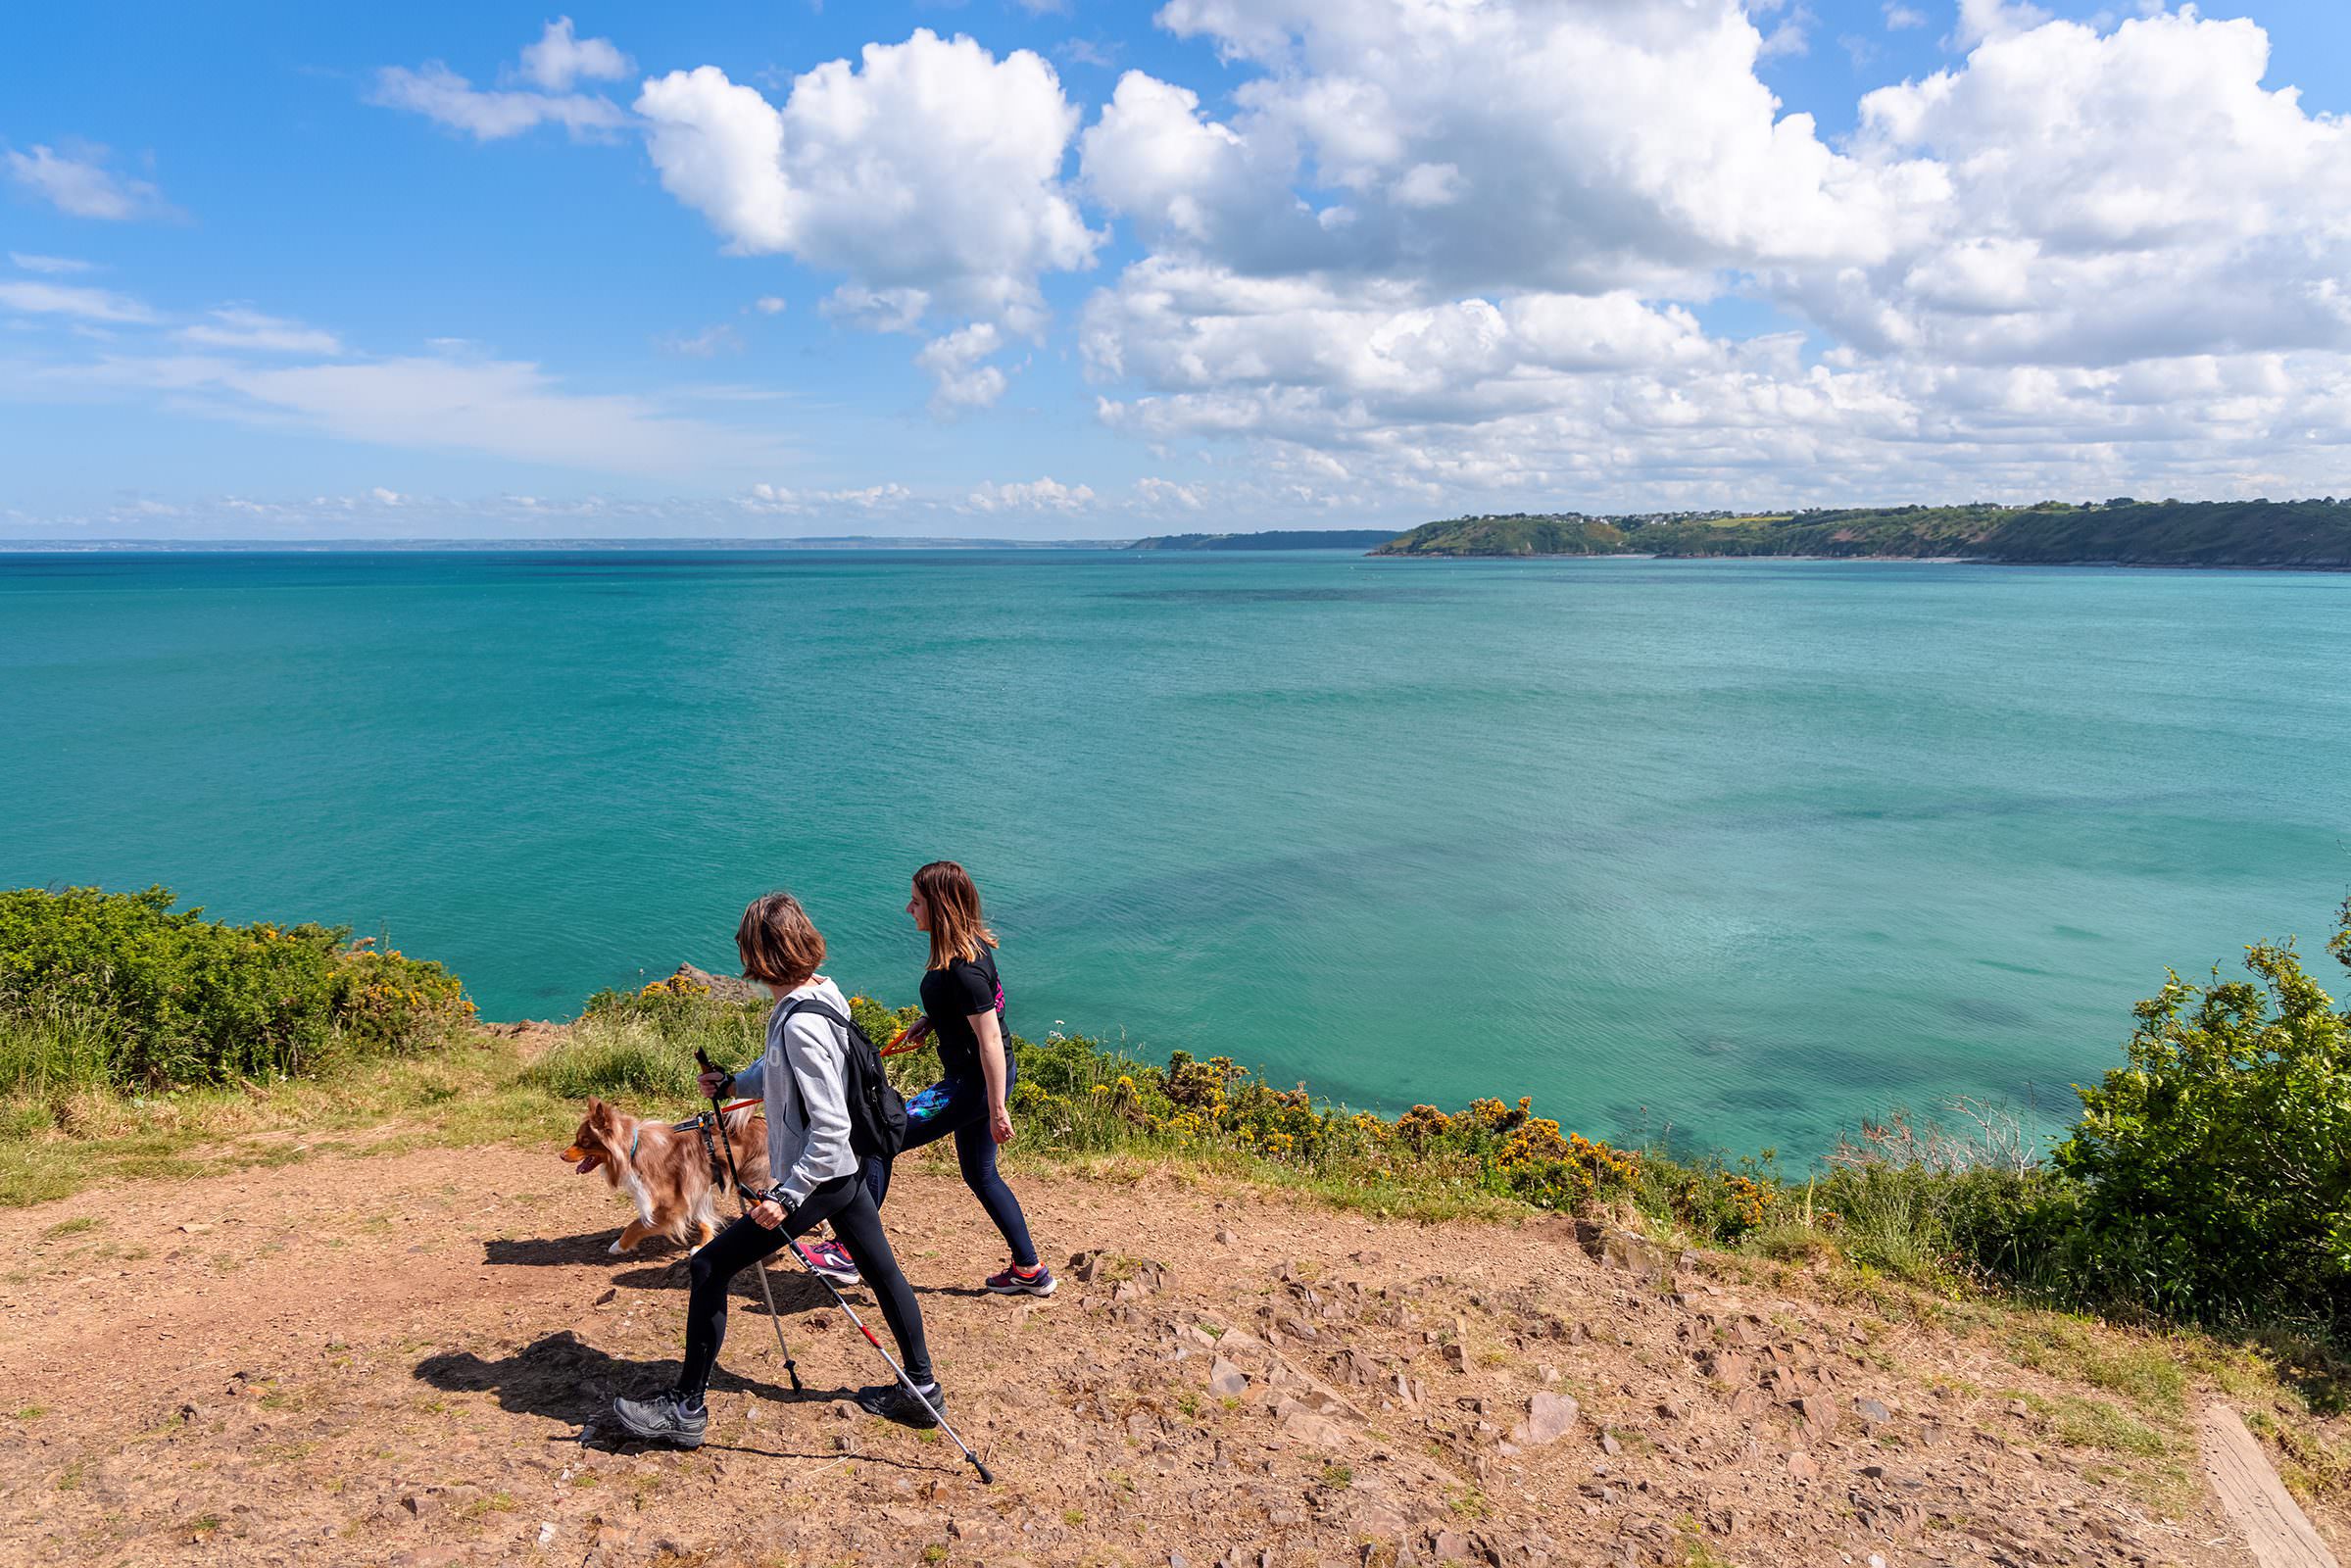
(959, 1106)
(850, 1206)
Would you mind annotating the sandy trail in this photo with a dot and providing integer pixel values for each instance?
(390, 1360)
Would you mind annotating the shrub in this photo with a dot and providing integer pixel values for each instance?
(150, 997)
(613, 1057)
(2216, 1167)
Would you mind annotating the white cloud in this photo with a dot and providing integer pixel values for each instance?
(77, 182)
(55, 266)
(62, 299)
(1899, 16)
(387, 498)
(441, 94)
(2087, 255)
(549, 69)
(559, 58)
(236, 327)
(1033, 495)
(769, 304)
(707, 343)
(880, 498)
(510, 409)
(928, 169)
(1168, 493)
(964, 382)
(885, 310)
(1666, 161)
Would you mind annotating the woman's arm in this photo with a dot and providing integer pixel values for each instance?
(815, 1062)
(991, 1068)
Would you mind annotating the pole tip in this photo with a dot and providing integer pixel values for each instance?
(987, 1476)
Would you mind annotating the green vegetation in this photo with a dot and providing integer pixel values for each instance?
(2209, 1179)
(118, 989)
(1517, 534)
(1271, 539)
(2124, 531)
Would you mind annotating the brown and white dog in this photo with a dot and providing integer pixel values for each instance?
(666, 1170)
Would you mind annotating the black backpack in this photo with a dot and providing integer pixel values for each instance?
(877, 1116)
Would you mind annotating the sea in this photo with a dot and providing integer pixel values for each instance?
(1733, 853)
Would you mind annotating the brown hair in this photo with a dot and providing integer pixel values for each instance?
(957, 928)
(780, 944)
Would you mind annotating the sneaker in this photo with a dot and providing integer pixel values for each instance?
(662, 1419)
(1036, 1281)
(830, 1259)
(892, 1403)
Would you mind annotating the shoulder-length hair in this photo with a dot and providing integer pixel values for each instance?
(957, 928)
(780, 944)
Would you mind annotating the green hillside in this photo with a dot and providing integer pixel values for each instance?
(1518, 534)
(2152, 533)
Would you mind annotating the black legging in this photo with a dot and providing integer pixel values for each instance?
(959, 1106)
(850, 1206)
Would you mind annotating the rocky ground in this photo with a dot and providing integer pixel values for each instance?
(406, 1360)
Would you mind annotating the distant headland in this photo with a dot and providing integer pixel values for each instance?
(1273, 539)
(2279, 534)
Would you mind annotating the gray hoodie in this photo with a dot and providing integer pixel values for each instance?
(803, 1077)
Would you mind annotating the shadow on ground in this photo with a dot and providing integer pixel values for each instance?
(564, 1378)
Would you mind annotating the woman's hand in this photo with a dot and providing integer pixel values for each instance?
(766, 1214)
(713, 1083)
(999, 1122)
(917, 1031)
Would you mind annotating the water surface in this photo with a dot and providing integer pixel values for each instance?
(1749, 848)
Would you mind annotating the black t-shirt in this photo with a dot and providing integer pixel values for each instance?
(949, 997)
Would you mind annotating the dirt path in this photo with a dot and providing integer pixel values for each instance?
(390, 1360)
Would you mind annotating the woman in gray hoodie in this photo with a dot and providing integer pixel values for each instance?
(801, 1076)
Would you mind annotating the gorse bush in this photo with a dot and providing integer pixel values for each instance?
(2215, 1168)
(121, 989)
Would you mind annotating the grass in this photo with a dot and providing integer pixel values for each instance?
(476, 1089)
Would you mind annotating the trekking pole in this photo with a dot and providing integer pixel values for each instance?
(743, 1204)
(987, 1476)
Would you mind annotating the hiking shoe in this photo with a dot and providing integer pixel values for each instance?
(663, 1418)
(1037, 1280)
(892, 1403)
(830, 1259)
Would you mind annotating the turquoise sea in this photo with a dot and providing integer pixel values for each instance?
(1745, 850)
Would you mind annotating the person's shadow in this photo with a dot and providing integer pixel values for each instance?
(562, 1377)
(796, 1290)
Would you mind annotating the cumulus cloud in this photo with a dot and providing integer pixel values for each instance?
(2082, 252)
(963, 381)
(1031, 495)
(77, 182)
(929, 169)
(879, 498)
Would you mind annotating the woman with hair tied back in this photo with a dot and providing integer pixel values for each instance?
(963, 1007)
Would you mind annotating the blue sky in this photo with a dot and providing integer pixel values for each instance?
(272, 272)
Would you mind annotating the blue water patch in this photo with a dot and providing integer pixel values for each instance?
(1762, 847)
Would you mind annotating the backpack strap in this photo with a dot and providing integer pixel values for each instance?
(830, 1014)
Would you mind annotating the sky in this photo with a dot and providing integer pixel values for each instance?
(1055, 268)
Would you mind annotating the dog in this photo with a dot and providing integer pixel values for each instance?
(667, 1169)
